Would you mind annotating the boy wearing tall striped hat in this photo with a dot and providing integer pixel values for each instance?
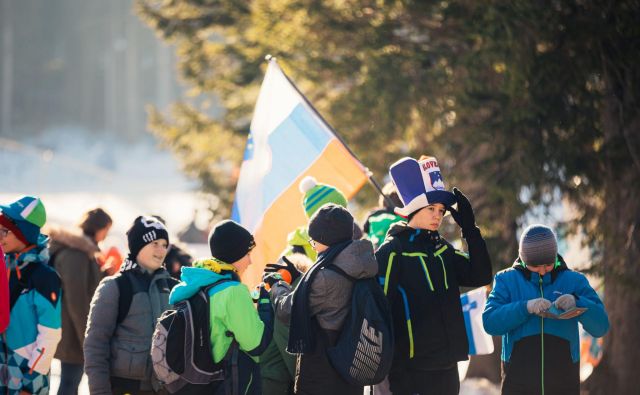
(421, 273)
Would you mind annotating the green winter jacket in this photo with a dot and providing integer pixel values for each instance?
(232, 310)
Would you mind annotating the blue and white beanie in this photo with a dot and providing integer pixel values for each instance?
(419, 184)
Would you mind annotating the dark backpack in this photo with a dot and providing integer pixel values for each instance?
(364, 351)
(181, 344)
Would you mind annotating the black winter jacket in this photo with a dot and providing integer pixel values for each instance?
(421, 273)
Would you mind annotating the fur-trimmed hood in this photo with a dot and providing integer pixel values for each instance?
(62, 238)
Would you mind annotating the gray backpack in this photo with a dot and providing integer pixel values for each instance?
(181, 345)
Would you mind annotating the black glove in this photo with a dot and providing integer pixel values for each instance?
(463, 216)
(288, 266)
(271, 278)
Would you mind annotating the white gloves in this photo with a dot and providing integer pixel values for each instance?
(565, 302)
(537, 306)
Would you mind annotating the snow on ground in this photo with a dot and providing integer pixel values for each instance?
(467, 387)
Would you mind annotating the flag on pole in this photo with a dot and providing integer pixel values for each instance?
(288, 140)
(480, 342)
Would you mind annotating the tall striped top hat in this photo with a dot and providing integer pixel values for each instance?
(419, 184)
(28, 214)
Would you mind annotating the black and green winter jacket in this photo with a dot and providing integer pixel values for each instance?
(421, 273)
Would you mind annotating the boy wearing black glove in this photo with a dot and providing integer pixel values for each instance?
(421, 274)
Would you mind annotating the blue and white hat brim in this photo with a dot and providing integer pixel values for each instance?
(10, 212)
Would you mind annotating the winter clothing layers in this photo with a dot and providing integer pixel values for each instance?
(277, 366)
(117, 355)
(538, 246)
(421, 273)
(143, 231)
(331, 224)
(229, 241)
(232, 317)
(301, 336)
(524, 334)
(73, 256)
(329, 301)
(34, 327)
(378, 223)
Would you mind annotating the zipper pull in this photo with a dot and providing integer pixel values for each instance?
(37, 360)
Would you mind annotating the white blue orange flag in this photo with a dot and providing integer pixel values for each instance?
(480, 342)
(288, 140)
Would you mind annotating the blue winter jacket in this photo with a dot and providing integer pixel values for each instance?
(506, 315)
(34, 329)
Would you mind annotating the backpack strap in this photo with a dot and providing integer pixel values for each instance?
(125, 288)
(207, 288)
(341, 272)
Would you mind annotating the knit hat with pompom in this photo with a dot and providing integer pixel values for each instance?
(316, 195)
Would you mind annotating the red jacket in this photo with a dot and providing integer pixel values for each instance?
(4, 294)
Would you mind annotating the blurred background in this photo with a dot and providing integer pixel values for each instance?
(76, 78)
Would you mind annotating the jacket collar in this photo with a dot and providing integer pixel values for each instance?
(548, 278)
(410, 235)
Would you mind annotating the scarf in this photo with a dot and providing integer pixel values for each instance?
(302, 336)
(128, 264)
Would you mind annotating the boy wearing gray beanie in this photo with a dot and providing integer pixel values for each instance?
(541, 355)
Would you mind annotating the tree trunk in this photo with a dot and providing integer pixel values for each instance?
(619, 225)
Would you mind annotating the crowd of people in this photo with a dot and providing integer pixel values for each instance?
(59, 299)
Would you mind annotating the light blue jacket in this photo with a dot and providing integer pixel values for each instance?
(34, 327)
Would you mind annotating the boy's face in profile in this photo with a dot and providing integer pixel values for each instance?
(242, 264)
(9, 241)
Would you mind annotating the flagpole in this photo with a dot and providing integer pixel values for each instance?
(368, 172)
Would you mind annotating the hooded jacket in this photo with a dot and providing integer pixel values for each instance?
(231, 310)
(34, 327)
(506, 315)
(421, 273)
(232, 317)
(330, 296)
(73, 257)
(329, 301)
(118, 354)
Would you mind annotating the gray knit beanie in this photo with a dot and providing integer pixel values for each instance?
(538, 245)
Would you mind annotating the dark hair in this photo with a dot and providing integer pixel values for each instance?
(390, 191)
(93, 221)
